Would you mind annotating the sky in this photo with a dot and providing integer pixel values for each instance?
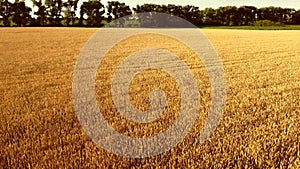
(202, 4)
(217, 3)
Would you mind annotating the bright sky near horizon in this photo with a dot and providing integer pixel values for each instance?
(217, 3)
(209, 3)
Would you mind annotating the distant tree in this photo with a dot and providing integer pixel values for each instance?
(192, 14)
(93, 10)
(153, 19)
(145, 8)
(145, 17)
(278, 14)
(233, 19)
(21, 13)
(116, 10)
(5, 12)
(295, 17)
(210, 17)
(150, 15)
(222, 15)
(288, 15)
(58, 12)
(246, 15)
(227, 15)
(70, 11)
(54, 10)
(267, 13)
(41, 13)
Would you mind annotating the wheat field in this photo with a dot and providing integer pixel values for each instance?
(259, 127)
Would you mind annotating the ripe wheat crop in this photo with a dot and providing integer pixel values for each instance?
(259, 127)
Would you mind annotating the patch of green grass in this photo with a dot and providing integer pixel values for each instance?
(285, 27)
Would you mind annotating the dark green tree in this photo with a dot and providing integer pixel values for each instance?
(21, 13)
(153, 19)
(210, 17)
(287, 15)
(227, 15)
(93, 10)
(266, 13)
(246, 15)
(190, 13)
(41, 13)
(6, 12)
(295, 17)
(70, 11)
(54, 10)
(145, 14)
(117, 10)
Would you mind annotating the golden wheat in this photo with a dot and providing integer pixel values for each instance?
(259, 128)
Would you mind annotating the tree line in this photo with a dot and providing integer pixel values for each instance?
(93, 13)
